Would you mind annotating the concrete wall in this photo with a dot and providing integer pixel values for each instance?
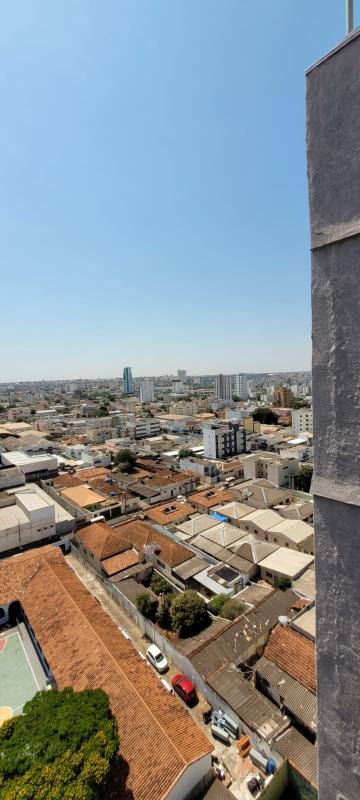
(333, 139)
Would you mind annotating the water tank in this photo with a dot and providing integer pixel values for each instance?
(283, 621)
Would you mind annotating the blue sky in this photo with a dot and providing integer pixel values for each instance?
(153, 199)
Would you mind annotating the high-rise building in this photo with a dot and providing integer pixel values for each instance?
(283, 397)
(223, 440)
(333, 125)
(301, 420)
(223, 387)
(181, 373)
(147, 394)
(128, 386)
(240, 386)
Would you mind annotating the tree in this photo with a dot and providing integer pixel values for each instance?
(185, 452)
(63, 746)
(189, 613)
(303, 478)
(236, 398)
(283, 582)
(224, 606)
(163, 613)
(159, 585)
(266, 416)
(216, 603)
(125, 460)
(232, 609)
(146, 605)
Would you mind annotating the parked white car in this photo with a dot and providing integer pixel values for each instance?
(157, 658)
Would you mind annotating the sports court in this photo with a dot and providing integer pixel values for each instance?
(18, 681)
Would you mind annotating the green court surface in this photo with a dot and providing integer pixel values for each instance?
(17, 680)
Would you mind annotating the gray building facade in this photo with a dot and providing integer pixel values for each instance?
(333, 146)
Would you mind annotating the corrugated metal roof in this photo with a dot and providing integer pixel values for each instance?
(300, 752)
(296, 698)
(190, 568)
(255, 710)
(217, 791)
(231, 645)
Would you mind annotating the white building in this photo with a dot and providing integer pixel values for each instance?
(240, 386)
(223, 387)
(223, 440)
(181, 373)
(33, 467)
(272, 467)
(33, 516)
(177, 387)
(302, 420)
(147, 394)
(142, 427)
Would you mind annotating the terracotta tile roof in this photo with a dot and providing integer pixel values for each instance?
(101, 540)
(65, 481)
(82, 496)
(17, 572)
(100, 485)
(171, 477)
(122, 561)
(293, 653)
(85, 650)
(210, 498)
(92, 472)
(139, 534)
(172, 511)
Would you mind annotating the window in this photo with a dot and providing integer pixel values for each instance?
(268, 574)
(275, 540)
(266, 537)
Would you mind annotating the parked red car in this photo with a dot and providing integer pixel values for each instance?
(184, 688)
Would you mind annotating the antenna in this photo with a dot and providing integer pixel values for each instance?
(349, 16)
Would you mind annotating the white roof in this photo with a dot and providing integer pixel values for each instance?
(196, 525)
(306, 622)
(287, 562)
(265, 518)
(32, 500)
(305, 585)
(294, 529)
(234, 510)
(223, 534)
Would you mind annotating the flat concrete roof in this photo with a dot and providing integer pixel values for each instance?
(306, 623)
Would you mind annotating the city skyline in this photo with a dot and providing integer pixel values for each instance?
(156, 178)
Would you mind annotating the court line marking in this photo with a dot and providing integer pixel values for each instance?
(9, 635)
(28, 660)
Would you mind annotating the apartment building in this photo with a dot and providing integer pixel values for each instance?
(275, 469)
(223, 441)
(283, 396)
(28, 516)
(302, 420)
(223, 387)
(240, 386)
(128, 386)
(143, 427)
(147, 393)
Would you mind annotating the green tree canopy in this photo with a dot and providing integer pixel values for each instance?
(163, 613)
(303, 478)
(266, 416)
(185, 452)
(189, 613)
(125, 460)
(160, 585)
(224, 606)
(62, 747)
(146, 605)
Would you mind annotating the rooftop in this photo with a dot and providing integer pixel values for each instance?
(85, 650)
(139, 534)
(285, 561)
(293, 653)
(211, 497)
(118, 563)
(101, 540)
(82, 496)
(196, 525)
(234, 510)
(169, 512)
(294, 529)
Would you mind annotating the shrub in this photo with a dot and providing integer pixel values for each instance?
(283, 583)
(62, 746)
(146, 605)
(216, 603)
(232, 609)
(189, 613)
(159, 585)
